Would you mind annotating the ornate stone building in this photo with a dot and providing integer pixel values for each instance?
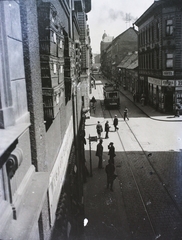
(116, 51)
(160, 59)
(44, 76)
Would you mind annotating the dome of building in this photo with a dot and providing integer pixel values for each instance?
(104, 35)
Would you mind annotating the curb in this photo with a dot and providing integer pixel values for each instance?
(153, 118)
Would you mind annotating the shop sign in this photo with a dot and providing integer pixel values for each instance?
(179, 83)
(179, 95)
(154, 81)
(179, 88)
(168, 73)
(168, 83)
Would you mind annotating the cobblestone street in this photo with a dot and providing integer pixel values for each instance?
(145, 204)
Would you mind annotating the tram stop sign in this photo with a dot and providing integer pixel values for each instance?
(93, 138)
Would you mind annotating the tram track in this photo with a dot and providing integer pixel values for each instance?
(162, 205)
(132, 172)
(154, 229)
(154, 169)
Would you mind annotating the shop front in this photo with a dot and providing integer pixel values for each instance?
(178, 94)
(162, 94)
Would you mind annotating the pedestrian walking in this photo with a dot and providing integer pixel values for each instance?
(93, 104)
(107, 129)
(111, 151)
(92, 83)
(93, 100)
(142, 100)
(99, 129)
(126, 113)
(177, 112)
(115, 122)
(111, 176)
(99, 153)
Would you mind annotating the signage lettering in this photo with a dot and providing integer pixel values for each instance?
(168, 73)
(167, 82)
(178, 82)
(155, 81)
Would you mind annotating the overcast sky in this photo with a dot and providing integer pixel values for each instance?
(113, 17)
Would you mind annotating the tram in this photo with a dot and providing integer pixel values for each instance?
(111, 96)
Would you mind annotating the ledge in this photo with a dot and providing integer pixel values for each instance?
(9, 135)
(27, 218)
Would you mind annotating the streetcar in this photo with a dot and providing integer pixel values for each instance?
(111, 96)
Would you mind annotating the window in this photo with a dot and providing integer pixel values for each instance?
(61, 44)
(157, 59)
(54, 68)
(54, 37)
(169, 60)
(152, 60)
(113, 95)
(152, 37)
(157, 30)
(169, 27)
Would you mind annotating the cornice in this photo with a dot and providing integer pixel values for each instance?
(65, 6)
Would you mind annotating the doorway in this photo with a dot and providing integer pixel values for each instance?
(169, 102)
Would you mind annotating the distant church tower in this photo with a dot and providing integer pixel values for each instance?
(104, 35)
(106, 40)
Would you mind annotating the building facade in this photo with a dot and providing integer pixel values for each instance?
(44, 76)
(160, 60)
(128, 72)
(106, 62)
(112, 56)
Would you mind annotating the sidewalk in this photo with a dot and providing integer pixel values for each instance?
(151, 112)
(104, 209)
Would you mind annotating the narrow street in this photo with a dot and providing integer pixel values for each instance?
(146, 202)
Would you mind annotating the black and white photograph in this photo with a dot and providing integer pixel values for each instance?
(90, 120)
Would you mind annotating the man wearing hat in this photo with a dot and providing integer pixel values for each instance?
(99, 153)
(110, 169)
(111, 151)
(115, 122)
(99, 129)
(107, 129)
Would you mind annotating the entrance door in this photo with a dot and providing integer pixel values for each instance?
(169, 102)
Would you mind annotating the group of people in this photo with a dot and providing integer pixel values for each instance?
(99, 127)
(110, 168)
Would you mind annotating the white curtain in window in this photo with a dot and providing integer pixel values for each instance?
(61, 44)
(54, 37)
(54, 66)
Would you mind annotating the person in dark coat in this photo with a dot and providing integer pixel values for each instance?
(126, 113)
(110, 169)
(107, 129)
(177, 112)
(93, 100)
(111, 151)
(99, 129)
(115, 122)
(99, 153)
